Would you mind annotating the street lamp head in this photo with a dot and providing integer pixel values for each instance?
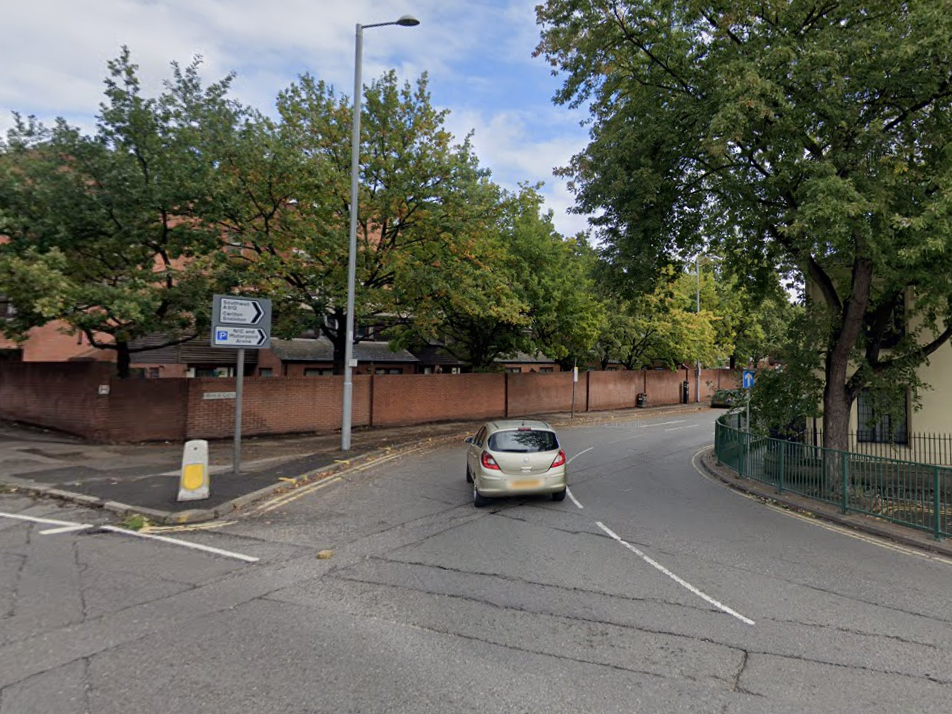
(408, 21)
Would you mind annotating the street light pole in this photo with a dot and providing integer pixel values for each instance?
(348, 396)
(697, 386)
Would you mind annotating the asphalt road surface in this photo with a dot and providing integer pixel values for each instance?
(651, 589)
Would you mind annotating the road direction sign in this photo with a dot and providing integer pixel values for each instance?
(241, 322)
(239, 311)
(250, 337)
(748, 380)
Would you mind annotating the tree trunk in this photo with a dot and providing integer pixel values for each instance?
(733, 362)
(123, 360)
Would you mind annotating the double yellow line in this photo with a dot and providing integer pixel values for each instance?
(285, 498)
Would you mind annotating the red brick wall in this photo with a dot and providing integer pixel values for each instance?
(400, 399)
(272, 405)
(64, 395)
(146, 410)
(664, 387)
(57, 395)
(535, 393)
(613, 390)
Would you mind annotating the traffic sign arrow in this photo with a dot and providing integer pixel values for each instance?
(240, 311)
(239, 337)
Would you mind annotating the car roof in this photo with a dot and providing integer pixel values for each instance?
(503, 424)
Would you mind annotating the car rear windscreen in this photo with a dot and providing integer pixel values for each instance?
(523, 441)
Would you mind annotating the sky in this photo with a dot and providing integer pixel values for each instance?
(477, 53)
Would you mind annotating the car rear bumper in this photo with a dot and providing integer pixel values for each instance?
(494, 485)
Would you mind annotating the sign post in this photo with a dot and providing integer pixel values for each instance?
(244, 323)
(748, 384)
(574, 383)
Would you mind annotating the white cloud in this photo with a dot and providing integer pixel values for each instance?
(477, 52)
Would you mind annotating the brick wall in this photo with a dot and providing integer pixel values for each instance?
(145, 410)
(535, 393)
(614, 390)
(57, 395)
(273, 405)
(65, 396)
(413, 399)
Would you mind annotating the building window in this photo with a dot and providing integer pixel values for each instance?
(877, 427)
(153, 372)
(218, 372)
(514, 370)
(265, 372)
(318, 372)
(388, 370)
(546, 369)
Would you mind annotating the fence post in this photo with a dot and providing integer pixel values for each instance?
(783, 449)
(747, 454)
(844, 462)
(936, 504)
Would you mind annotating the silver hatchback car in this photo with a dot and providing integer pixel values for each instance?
(515, 457)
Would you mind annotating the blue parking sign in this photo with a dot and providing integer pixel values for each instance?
(748, 380)
(221, 336)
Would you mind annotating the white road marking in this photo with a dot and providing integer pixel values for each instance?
(34, 519)
(184, 544)
(684, 583)
(665, 423)
(572, 496)
(579, 454)
(689, 426)
(66, 529)
(633, 436)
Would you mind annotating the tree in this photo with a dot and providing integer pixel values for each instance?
(423, 198)
(102, 229)
(796, 137)
(661, 327)
(522, 287)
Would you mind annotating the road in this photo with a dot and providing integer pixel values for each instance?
(652, 589)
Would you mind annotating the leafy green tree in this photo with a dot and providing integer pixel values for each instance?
(796, 136)
(522, 287)
(423, 198)
(662, 327)
(102, 229)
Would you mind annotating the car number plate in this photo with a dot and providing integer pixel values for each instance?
(527, 483)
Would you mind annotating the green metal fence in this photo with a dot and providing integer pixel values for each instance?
(906, 492)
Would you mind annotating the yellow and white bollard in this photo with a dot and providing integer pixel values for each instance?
(194, 482)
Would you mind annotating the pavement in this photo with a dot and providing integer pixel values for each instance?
(143, 478)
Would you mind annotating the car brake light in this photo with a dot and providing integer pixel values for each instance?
(559, 460)
(489, 462)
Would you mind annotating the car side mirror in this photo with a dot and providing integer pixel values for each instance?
(469, 440)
